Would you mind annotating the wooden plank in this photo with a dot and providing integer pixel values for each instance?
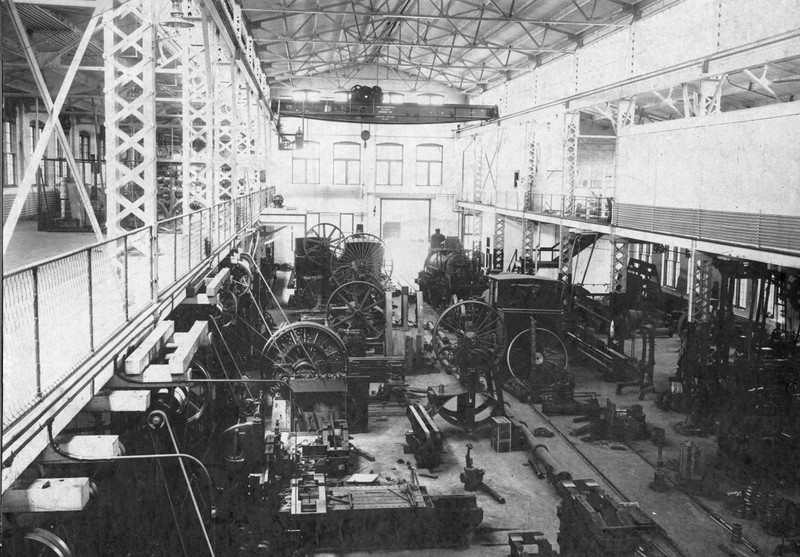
(47, 495)
(201, 299)
(83, 446)
(120, 401)
(215, 284)
(156, 373)
(149, 348)
(189, 344)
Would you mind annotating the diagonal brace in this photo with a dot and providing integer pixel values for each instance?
(52, 124)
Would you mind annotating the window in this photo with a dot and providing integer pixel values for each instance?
(429, 165)
(741, 289)
(37, 127)
(305, 164)
(389, 165)
(393, 98)
(85, 146)
(341, 96)
(61, 163)
(430, 98)
(101, 143)
(643, 252)
(672, 267)
(346, 163)
(9, 153)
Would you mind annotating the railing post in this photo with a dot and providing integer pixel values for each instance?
(175, 251)
(190, 241)
(37, 352)
(154, 255)
(127, 295)
(91, 299)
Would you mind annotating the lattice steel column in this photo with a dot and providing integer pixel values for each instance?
(243, 135)
(261, 145)
(477, 197)
(224, 124)
(619, 264)
(198, 115)
(531, 164)
(565, 251)
(699, 287)
(528, 245)
(477, 188)
(571, 129)
(129, 53)
(498, 255)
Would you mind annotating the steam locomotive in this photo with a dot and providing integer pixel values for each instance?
(448, 271)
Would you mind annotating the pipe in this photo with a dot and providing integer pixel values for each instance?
(554, 469)
(178, 455)
(541, 453)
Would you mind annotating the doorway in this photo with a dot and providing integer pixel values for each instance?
(405, 229)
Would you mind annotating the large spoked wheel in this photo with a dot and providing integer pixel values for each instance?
(227, 308)
(358, 305)
(37, 541)
(469, 335)
(469, 340)
(364, 255)
(343, 274)
(304, 349)
(198, 395)
(241, 278)
(323, 244)
(542, 366)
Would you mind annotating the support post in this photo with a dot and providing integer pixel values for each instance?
(531, 164)
(571, 130)
(700, 291)
(197, 121)
(498, 255)
(53, 123)
(565, 249)
(528, 263)
(619, 264)
(130, 115)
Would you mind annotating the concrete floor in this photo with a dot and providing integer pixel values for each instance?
(531, 503)
(29, 245)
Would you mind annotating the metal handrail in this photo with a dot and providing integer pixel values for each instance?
(115, 296)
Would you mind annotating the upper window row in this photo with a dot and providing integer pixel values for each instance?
(307, 95)
(347, 164)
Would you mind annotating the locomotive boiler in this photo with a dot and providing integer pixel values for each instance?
(448, 271)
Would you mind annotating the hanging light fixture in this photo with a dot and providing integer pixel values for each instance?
(177, 18)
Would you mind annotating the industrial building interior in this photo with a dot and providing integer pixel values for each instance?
(400, 277)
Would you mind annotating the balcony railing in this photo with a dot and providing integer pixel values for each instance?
(589, 208)
(56, 314)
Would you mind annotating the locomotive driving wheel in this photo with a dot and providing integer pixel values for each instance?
(543, 365)
(358, 305)
(363, 257)
(469, 340)
(304, 349)
(323, 244)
